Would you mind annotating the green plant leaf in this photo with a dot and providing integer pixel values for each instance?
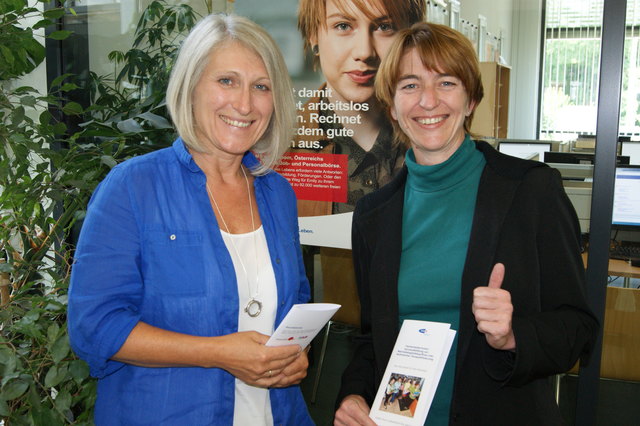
(28, 101)
(72, 108)
(14, 389)
(45, 415)
(155, 120)
(68, 86)
(79, 370)
(33, 399)
(116, 56)
(4, 408)
(59, 128)
(130, 126)
(60, 348)
(60, 34)
(58, 80)
(29, 318)
(11, 6)
(108, 161)
(9, 362)
(17, 115)
(63, 401)
(5, 354)
(43, 23)
(53, 332)
(54, 376)
(7, 55)
(45, 117)
(54, 13)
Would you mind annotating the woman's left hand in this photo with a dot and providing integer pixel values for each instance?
(493, 311)
(293, 373)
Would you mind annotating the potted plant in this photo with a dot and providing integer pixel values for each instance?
(47, 175)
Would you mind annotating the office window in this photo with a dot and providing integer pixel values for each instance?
(572, 65)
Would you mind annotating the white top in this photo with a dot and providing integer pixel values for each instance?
(252, 404)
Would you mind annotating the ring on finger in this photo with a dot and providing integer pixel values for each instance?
(270, 373)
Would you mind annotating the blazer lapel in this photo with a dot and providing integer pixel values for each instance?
(384, 237)
(495, 194)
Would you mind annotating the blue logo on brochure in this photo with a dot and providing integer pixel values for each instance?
(423, 331)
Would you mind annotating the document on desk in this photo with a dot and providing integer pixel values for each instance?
(412, 374)
(303, 322)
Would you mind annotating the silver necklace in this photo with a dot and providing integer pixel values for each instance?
(254, 306)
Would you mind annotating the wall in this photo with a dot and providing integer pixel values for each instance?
(526, 74)
(520, 23)
(499, 19)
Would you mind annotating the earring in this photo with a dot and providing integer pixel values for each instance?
(315, 49)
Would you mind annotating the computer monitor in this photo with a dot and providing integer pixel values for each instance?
(626, 198)
(525, 149)
(578, 158)
(632, 150)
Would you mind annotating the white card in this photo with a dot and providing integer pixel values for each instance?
(302, 323)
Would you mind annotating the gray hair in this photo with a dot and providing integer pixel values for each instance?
(210, 33)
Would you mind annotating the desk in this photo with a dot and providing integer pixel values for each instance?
(619, 268)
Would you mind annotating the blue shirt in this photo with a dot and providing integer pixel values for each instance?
(150, 250)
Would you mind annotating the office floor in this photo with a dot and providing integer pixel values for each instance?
(617, 402)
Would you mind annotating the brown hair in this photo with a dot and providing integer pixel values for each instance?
(441, 49)
(312, 13)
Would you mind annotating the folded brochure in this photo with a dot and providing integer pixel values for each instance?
(412, 374)
(303, 322)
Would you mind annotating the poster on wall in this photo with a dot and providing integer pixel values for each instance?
(343, 146)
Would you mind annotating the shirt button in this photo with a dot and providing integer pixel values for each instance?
(172, 237)
(369, 182)
(278, 260)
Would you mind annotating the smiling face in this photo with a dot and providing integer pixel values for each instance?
(430, 108)
(351, 46)
(232, 102)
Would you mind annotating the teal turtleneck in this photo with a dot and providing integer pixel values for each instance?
(439, 202)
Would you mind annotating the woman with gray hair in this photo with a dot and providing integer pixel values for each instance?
(189, 257)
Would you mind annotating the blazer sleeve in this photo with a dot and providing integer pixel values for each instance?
(359, 376)
(552, 336)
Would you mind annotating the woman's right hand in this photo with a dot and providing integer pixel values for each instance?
(245, 355)
(242, 354)
(353, 410)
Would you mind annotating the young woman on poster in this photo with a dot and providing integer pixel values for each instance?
(348, 39)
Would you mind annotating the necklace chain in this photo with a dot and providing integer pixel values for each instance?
(254, 306)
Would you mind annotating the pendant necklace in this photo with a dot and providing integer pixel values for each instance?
(254, 306)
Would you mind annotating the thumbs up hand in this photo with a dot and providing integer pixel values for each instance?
(493, 311)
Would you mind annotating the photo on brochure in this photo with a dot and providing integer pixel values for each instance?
(402, 394)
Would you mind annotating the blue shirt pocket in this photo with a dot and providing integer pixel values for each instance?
(173, 263)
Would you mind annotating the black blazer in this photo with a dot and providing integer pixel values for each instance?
(524, 219)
